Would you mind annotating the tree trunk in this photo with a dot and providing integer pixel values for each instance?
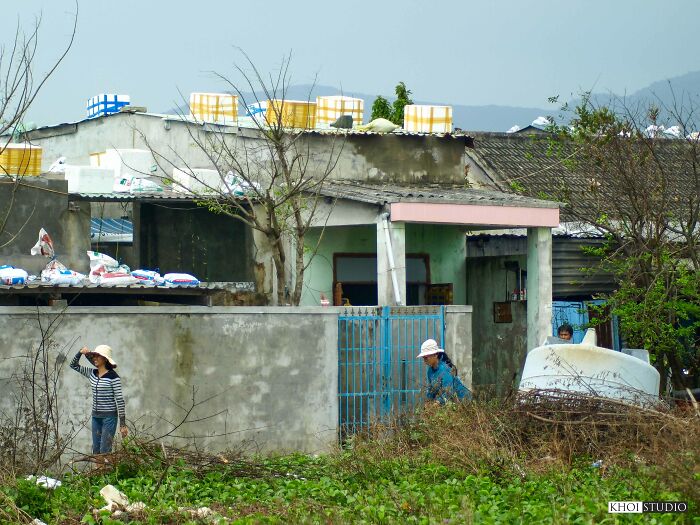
(278, 258)
(299, 266)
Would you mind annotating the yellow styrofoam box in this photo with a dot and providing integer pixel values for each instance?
(20, 160)
(214, 107)
(97, 159)
(427, 119)
(291, 113)
(328, 109)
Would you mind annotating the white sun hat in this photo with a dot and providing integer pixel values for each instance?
(429, 347)
(106, 352)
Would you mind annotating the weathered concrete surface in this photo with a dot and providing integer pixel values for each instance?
(404, 159)
(40, 203)
(499, 348)
(458, 340)
(269, 375)
(539, 285)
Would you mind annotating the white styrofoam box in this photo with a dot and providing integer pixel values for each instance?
(427, 119)
(203, 181)
(329, 108)
(106, 104)
(129, 162)
(89, 179)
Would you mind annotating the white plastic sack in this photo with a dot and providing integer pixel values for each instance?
(55, 273)
(135, 185)
(44, 246)
(101, 263)
(148, 276)
(116, 278)
(180, 279)
(10, 275)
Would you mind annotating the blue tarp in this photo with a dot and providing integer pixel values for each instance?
(111, 230)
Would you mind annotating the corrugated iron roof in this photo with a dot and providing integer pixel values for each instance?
(389, 193)
(203, 286)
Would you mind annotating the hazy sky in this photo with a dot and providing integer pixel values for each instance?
(506, 52)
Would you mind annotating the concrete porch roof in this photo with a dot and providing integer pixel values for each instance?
(445, 205)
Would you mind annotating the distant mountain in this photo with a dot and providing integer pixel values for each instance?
(685, 89)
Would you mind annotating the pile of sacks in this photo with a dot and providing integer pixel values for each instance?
(104, 271)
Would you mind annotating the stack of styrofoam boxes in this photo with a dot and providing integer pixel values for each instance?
(125, 162)
(328, 109)
(427, 119)
(220, 108)
(106, 104)
(197, 181)
(89, 179)
(291, 113)
(19, 160)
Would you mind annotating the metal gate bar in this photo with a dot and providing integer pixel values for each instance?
(378, 373)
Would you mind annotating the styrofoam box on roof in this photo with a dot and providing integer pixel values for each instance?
(20, 160)
(221, 108)
(106, 104)
(197, 180)
(89, 179)
(292, 113)
(329, 108)
(128, 162)
(427, 119)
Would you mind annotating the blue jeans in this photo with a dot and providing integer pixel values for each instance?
(103, 430)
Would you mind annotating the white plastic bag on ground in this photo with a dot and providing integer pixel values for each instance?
(44, 481)
(10, 275)
(180, 279)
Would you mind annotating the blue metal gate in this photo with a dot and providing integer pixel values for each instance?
(378, 373)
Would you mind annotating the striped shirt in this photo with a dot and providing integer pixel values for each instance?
(107, 398)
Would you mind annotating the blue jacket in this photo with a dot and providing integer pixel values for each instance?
(442, 385)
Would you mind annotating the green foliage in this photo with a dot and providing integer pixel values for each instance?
(402, 100)
(381, 108)
(352, 489)
(516, 186)
(393, 112)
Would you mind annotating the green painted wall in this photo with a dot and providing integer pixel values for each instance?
(446, 246)
(318, 277)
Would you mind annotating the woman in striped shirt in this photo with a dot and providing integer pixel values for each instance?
(107, 399)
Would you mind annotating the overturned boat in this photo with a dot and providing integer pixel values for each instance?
(588, 369)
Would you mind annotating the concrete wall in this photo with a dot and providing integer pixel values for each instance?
(499, 348)
(273, 371)
(459, 337)
(378, 158)
(40, 203)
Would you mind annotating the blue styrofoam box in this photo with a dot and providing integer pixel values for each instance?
(106, 104)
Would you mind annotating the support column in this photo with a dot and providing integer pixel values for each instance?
(385, 283)
(539, 286)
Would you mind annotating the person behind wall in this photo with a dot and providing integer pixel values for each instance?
(565, 332)
(443, 383)
(107, 399)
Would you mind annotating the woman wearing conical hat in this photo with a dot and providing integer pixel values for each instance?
(108, 405)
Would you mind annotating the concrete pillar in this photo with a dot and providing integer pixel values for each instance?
(385, 287)
(539, 285)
